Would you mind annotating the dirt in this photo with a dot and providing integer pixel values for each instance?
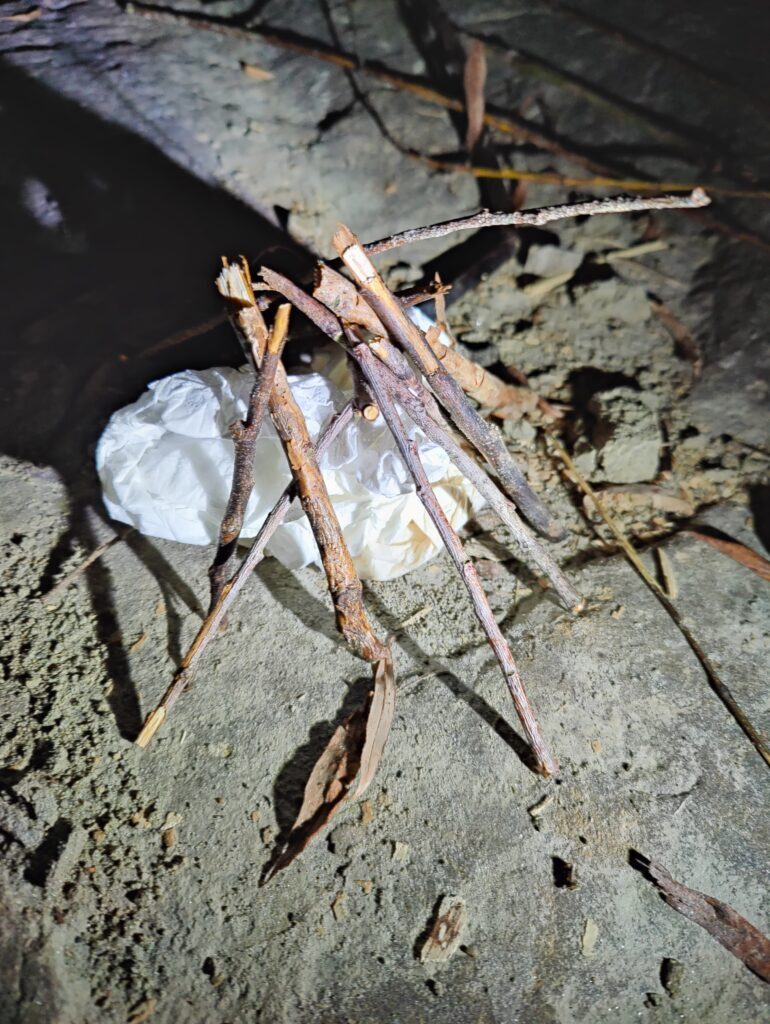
(131, 879)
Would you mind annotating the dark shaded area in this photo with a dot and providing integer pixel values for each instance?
(109, 247)
(45, 856)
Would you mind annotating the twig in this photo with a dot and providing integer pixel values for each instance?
(438, 431)
(374, 375)
(232, 588)
(715, 680)
(536, 218)
(78, 571)
(424, 411)
(477, 382)
(341, 295)
(344, 585)
(245, 434)
(486, 438)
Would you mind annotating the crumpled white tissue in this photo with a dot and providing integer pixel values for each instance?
(165, 464)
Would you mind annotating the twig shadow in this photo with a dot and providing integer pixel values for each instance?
(455, 685)
(287, 589)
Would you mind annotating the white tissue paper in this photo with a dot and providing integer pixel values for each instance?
(166, 462)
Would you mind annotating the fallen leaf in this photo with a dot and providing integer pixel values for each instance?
(378, 722)
(252, 71)
(446, 931)
(474, 79)
(356, 744)
(737, 551)
(726, 925)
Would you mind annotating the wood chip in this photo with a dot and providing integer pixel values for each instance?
(367, 814)
(542, 805)
(26, 16)
(400, 852)
(446, 931)
(590, 938)
(258, 74)
(668, 578)
(339, 907)
(366, 885)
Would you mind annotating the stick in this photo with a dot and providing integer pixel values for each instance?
(422, 408)
(538, 217)
(715, 680)
(438, 431)
(210, 625)
(485, 438)
(245, 434)
(465, 567)
(344, 585)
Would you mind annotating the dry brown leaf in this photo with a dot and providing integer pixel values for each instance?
(726, 925)
(327, 787)
(356, 745)
(737, 551)
(446, 931)
(474, 79)
(378, 722)
(259, 74)
(684, 341)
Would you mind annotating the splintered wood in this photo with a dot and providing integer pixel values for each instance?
(398, 370)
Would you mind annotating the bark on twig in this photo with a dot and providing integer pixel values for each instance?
(245, 434)
(485, 438)
(465, 567)
(217, 614)
(536, 218)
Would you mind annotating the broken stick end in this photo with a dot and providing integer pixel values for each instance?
(152, 723)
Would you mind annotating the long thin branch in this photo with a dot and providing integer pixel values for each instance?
(245, 434)
(538, 217)
(485, 437)
(373, 372)
(216, 615)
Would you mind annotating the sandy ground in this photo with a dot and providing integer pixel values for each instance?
(130, 879)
